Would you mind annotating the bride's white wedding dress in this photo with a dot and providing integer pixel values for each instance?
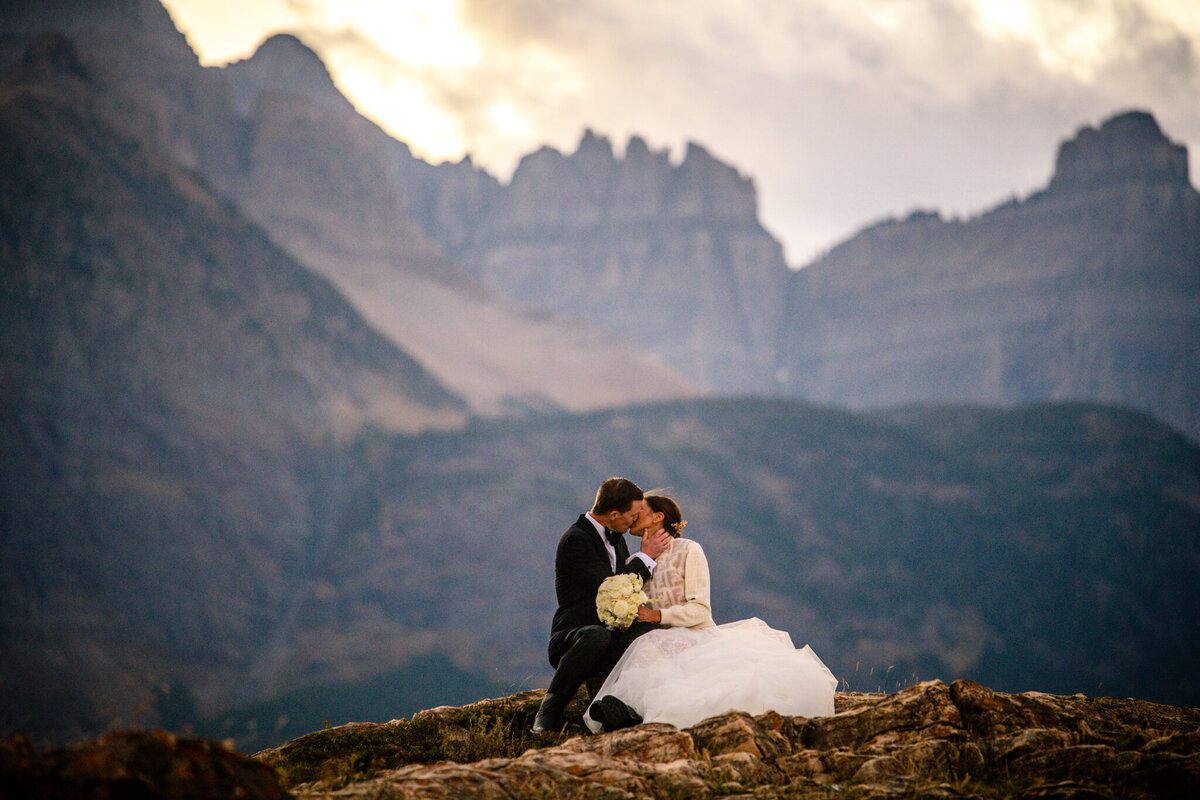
(682, 675)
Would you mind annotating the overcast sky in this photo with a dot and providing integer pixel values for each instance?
(842, 111)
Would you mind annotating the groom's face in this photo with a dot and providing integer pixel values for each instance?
(622, 522)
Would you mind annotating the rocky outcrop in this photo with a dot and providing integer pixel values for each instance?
(149, 765)
(281, 62)
(930, 740)
(1129, 148)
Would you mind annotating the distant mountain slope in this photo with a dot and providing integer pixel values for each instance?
(275, 135)
(314, 172)
(172, 382)
(1089, 289)
(184, 110)
(331, 187)
(671, 257)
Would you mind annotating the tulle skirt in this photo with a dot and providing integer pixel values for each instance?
(682, 676)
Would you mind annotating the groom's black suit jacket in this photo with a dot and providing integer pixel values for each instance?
(580, 566)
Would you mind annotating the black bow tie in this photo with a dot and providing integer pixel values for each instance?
(612, 536)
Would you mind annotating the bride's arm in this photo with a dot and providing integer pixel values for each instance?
(696, 607)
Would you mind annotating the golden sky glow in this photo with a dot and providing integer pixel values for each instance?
(842, 110)
(1067, 38)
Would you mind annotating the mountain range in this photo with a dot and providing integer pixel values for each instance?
(1086, 289)
(290, 420)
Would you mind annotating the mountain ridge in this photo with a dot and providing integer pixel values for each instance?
(738, 320)
(580, 233)
(1014, 305)
(322, 182)
(1085, 290)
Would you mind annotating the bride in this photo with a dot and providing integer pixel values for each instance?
(693, 669)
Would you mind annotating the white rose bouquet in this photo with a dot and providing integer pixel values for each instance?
(618, 599)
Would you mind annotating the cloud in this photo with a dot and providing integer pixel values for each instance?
(226, 30)
(842, 110)
(846, 110)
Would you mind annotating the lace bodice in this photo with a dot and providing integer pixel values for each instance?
(680, 584)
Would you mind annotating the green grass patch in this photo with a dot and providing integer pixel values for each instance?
(336, 757)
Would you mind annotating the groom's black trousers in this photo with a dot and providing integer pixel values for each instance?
(590, 651)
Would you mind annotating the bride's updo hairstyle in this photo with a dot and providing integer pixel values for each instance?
(673, 520)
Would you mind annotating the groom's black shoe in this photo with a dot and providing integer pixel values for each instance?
(550, 714)
(613, 713)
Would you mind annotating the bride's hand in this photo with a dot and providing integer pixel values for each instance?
(648, 614)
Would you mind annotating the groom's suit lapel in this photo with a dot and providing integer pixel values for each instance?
(596, 539)
(598, 542)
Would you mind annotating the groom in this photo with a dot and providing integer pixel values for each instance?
(591, 550)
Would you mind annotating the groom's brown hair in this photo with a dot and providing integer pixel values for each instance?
(616, 494)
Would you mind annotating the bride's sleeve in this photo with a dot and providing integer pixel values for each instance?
(696, 607)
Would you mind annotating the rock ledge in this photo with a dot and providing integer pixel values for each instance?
(930, 740)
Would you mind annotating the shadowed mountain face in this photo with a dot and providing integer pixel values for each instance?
(1090, 289)
(172, 384)
(336, 191)
(164, 97)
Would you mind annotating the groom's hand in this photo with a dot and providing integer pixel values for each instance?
(654, 544)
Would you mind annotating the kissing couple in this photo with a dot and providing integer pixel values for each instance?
(672, 664)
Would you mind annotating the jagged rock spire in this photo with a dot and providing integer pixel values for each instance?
(1127, 148)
